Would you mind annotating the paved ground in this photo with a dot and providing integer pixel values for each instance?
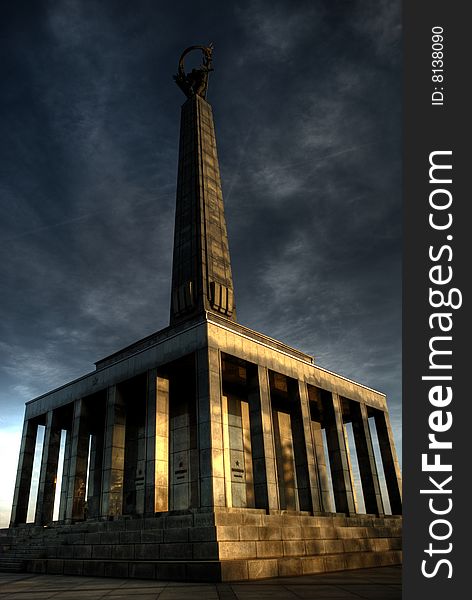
(383, 583)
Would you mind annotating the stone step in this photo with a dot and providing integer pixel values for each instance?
(214, 570)
(4, 548)
(26, 550)
(252, 533)
(5, 540)
(304, 565)
(243, 542)
(11, 565)
(312, 547)
(224, 549)
(25, 553)
(255, 518)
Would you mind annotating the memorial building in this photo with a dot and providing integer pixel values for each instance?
(205, 451)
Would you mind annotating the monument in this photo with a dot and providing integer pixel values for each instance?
(207, 450)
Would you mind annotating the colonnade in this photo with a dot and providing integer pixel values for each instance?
(208, 431)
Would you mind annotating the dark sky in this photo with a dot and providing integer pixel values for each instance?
(307, 105)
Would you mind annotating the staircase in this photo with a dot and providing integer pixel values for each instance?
(9, 563)
(16, 551)
(225, 545)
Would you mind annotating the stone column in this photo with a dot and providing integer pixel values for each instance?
(48, 473)
(23, 477)
(210, 428)
(156, 495)
(393, 477)
(340, 473)
(262, 438)
(351, 472)
(287, 472)
(79, 449)
(325, 494)
(113, 453)
(65, 477)
(246, 425)
(95, 474)
(366, 459)
(314, 483)
(227, 451)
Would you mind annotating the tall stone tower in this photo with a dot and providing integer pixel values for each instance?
(207, 450)
(201, 274)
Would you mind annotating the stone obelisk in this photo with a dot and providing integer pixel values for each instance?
(201, 274)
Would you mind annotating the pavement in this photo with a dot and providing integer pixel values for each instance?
(383, 583)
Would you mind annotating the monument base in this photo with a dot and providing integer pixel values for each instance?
(207, 462)
(224, 545)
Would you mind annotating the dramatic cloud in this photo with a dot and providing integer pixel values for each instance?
(306, 98)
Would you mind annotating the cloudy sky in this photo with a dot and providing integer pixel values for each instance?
(307, 105)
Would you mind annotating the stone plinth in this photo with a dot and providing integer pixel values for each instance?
(223, 545)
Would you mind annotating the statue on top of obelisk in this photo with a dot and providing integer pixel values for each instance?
(195, 82)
